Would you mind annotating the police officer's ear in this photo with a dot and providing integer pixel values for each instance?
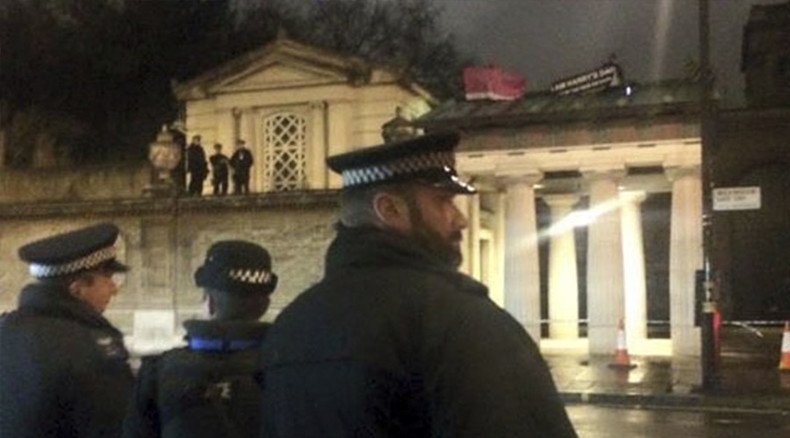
(392, 211)
(77, 284)
(209, 306)
(74, 288)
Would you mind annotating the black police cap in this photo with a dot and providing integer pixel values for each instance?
(429, 159)
(237, 266)
(76, 251)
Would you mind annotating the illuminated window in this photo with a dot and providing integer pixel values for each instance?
(284, 137)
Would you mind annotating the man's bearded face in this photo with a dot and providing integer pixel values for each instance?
(436, 223)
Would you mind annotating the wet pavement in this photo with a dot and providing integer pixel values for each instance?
(593, 421)
(748, 378)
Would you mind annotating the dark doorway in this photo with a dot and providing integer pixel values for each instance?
(758, 254)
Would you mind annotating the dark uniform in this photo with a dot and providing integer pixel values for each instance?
(63, 367)
(197, 167)
(393, 342)
(208, 389)
(219, 173)
(204, 390)
(241, 161)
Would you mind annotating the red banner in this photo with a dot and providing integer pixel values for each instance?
(492, 83)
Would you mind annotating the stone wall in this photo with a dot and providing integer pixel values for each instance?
(164, 241)
(69, 184)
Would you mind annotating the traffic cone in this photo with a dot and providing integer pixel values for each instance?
(784, 361)
(621, 359)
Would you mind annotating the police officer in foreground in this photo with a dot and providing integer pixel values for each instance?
(63, 367)
(208, 389)
(394, 341)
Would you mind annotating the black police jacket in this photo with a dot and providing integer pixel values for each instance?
(63, 368)
(196, 161)
(207, 389)
(219, 166)
(241, 161)
(391, 343)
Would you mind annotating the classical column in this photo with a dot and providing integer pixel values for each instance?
(497, 293)
(474, 236)
(522, 279)
(462, 203)
(633, 267)
(340, 137)
(605, 298)
(563, 280)
(316, 148)
(247, 128)
(226, 127)
(246, 125)
(685, 256)
(225, 135)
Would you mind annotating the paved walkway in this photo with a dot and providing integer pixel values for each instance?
(746, 382)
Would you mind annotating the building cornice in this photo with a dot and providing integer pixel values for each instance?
(137, 206)
(522, 120)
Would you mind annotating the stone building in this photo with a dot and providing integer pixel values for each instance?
(765, 56)
(586, 163)
(752, 247)
(589, 211)
(293, 104)
(752, 149)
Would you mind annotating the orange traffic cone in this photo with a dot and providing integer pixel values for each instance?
(784, 361)
(621, 359)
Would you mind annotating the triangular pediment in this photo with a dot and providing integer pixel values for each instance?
(278, 73)
(280, 64)
(286, 64)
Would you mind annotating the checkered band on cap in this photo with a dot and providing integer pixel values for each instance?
(251, 276)
(399, 167)
(40, 270)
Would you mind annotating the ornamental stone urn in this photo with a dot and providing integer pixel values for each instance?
(164, 155)
(398, 128)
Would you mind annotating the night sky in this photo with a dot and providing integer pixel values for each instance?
(545, 40)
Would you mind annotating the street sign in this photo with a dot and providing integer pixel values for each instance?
(606, 76)
(736, 198)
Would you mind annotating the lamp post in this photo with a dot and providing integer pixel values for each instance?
(709, 294)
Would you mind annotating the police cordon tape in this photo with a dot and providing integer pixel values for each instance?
(658, 322)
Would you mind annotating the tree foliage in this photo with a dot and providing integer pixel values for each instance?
(92, 78)
(405, 34)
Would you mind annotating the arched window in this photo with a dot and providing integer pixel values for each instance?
(285, 139)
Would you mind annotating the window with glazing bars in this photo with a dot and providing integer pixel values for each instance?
(284, 158)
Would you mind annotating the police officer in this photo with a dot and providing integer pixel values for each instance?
(63, 367)
(219, 171)
(394, 341)
(241, 161)
(197, 167)
(208, 389)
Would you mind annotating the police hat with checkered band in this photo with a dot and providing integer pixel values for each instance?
(429, 159)
(84, 249)
(237, 266)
